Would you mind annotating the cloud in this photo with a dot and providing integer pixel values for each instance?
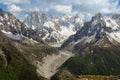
(15, 1)
(16, 11)
(85, 8)
(90, 8)
(47, 1)
(14, 8)
(63, 8)
(34, 9)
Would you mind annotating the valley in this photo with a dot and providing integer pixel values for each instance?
(51, 63)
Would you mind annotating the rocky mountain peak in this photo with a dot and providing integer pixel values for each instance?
(15, 29)
(8, 22)
(35, 19)
(97, 16)
(114, 15)
(97, 20)
(1, 11)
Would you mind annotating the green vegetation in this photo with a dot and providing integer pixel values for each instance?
(100, 62)
(93, 60)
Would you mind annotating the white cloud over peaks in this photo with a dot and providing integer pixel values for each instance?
(15, 1)
(14, 8)
(34, 9)
(16, 11)
(84, 8)
(63, 8)
(90, 7)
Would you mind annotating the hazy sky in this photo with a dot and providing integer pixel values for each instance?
(85, 8)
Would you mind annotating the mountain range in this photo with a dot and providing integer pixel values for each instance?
(87, 48)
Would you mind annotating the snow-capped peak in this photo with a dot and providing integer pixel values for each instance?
(35, 19)
(15, 29)
(95, 30)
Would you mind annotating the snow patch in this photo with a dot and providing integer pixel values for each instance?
(49, 24)
(1, 24)
(12, 36)
(33, 27)
(66, 31)
(86, 39)
(56, 45)
(115, 36)
(45, 36)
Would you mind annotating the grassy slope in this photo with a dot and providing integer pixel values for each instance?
(18, 68)
(93, 60)
(101, 62)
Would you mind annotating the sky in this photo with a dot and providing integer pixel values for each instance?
(85, 8)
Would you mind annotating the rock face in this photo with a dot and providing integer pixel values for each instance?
(54, 28)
